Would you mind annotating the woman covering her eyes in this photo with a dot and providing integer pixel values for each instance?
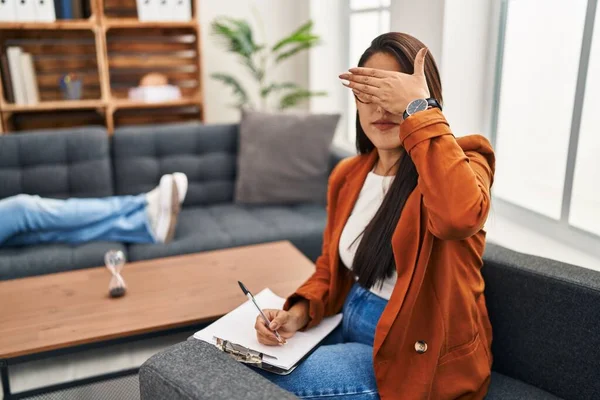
(402, 248)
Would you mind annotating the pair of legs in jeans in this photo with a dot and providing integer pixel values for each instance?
(145, 218)
(342, 367)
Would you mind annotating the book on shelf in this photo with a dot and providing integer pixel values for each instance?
(20, 78)
(29, 79)
(44, 11)
(72, 9)
(25, 10)
(8, 10)
(33, 10)
(14, 63)
(6, 81)
(63, 9)
(164, 10)
(77, 9)
(181, 10)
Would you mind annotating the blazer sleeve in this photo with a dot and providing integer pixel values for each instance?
(316, 288)
(455, 175)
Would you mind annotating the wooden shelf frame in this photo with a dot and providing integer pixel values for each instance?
(58, 25)
(103, 27)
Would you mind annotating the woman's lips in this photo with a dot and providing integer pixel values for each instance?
(384, 126)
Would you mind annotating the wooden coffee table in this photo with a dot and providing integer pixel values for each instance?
(45, 315)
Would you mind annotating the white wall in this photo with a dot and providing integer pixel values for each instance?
(459, 41)
(423, 19)
(465, 64)
(329, 59)
(279, 18)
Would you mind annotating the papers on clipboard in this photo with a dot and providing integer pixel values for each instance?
(234, 333)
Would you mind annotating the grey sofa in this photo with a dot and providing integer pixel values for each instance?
(546, 342)
(87, 162)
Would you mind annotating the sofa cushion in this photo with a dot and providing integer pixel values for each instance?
(503, 387)
(205, 153)
(284, 157)
(228, 225)
(20, 262)
(545, 322)
(56, 163)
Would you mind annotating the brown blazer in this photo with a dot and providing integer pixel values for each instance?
(433, 340)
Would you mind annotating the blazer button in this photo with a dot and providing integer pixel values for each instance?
(421, 346)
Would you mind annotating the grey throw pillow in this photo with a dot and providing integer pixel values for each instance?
(284, 158)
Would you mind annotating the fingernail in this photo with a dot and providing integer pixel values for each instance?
(345, 82)
(273, 325)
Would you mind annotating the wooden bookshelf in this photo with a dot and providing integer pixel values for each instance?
(110, 52)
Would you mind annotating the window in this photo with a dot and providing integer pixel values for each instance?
(545, 118)
(585, 200)
(368, 19)
(539, 75)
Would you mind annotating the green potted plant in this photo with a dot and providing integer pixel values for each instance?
(259, 59)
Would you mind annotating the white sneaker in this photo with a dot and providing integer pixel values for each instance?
(169, 208)
(181, 181)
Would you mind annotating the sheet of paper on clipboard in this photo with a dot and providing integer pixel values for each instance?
(234, 333)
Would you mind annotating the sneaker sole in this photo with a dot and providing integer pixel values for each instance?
(175, 209)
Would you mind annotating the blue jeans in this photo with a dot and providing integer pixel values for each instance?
(27, 220)
(342, 367)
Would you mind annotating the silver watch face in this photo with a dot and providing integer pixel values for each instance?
(416, 106)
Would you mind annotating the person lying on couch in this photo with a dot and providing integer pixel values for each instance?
(145, 218)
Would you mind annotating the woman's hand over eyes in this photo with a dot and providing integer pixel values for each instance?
(390, 90)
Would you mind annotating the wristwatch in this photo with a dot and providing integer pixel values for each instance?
(420, 105)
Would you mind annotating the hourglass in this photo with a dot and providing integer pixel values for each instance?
(114, 261)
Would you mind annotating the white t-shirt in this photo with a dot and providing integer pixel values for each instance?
(369, 200)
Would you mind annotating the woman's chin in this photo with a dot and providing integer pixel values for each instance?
(386, 141)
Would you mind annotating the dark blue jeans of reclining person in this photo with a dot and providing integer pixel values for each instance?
(342, 367)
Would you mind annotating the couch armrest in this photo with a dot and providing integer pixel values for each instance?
(336, 155)
(545, 322)
(196, 370)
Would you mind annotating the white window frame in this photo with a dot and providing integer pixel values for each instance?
(560, 229)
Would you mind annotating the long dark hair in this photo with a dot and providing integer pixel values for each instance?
(374, 259)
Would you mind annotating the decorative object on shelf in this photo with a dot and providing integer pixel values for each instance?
(114, 261)
(237, 36)
(71, 86)
(154, 88)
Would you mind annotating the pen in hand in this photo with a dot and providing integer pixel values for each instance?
(264, 317)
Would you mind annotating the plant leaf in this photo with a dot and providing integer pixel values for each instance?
(294, 50)
(302, 31)
(295, 97)
(236, 87)
(274, 87)
(236, 36)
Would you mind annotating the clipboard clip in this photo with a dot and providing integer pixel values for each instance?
(241, 353)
